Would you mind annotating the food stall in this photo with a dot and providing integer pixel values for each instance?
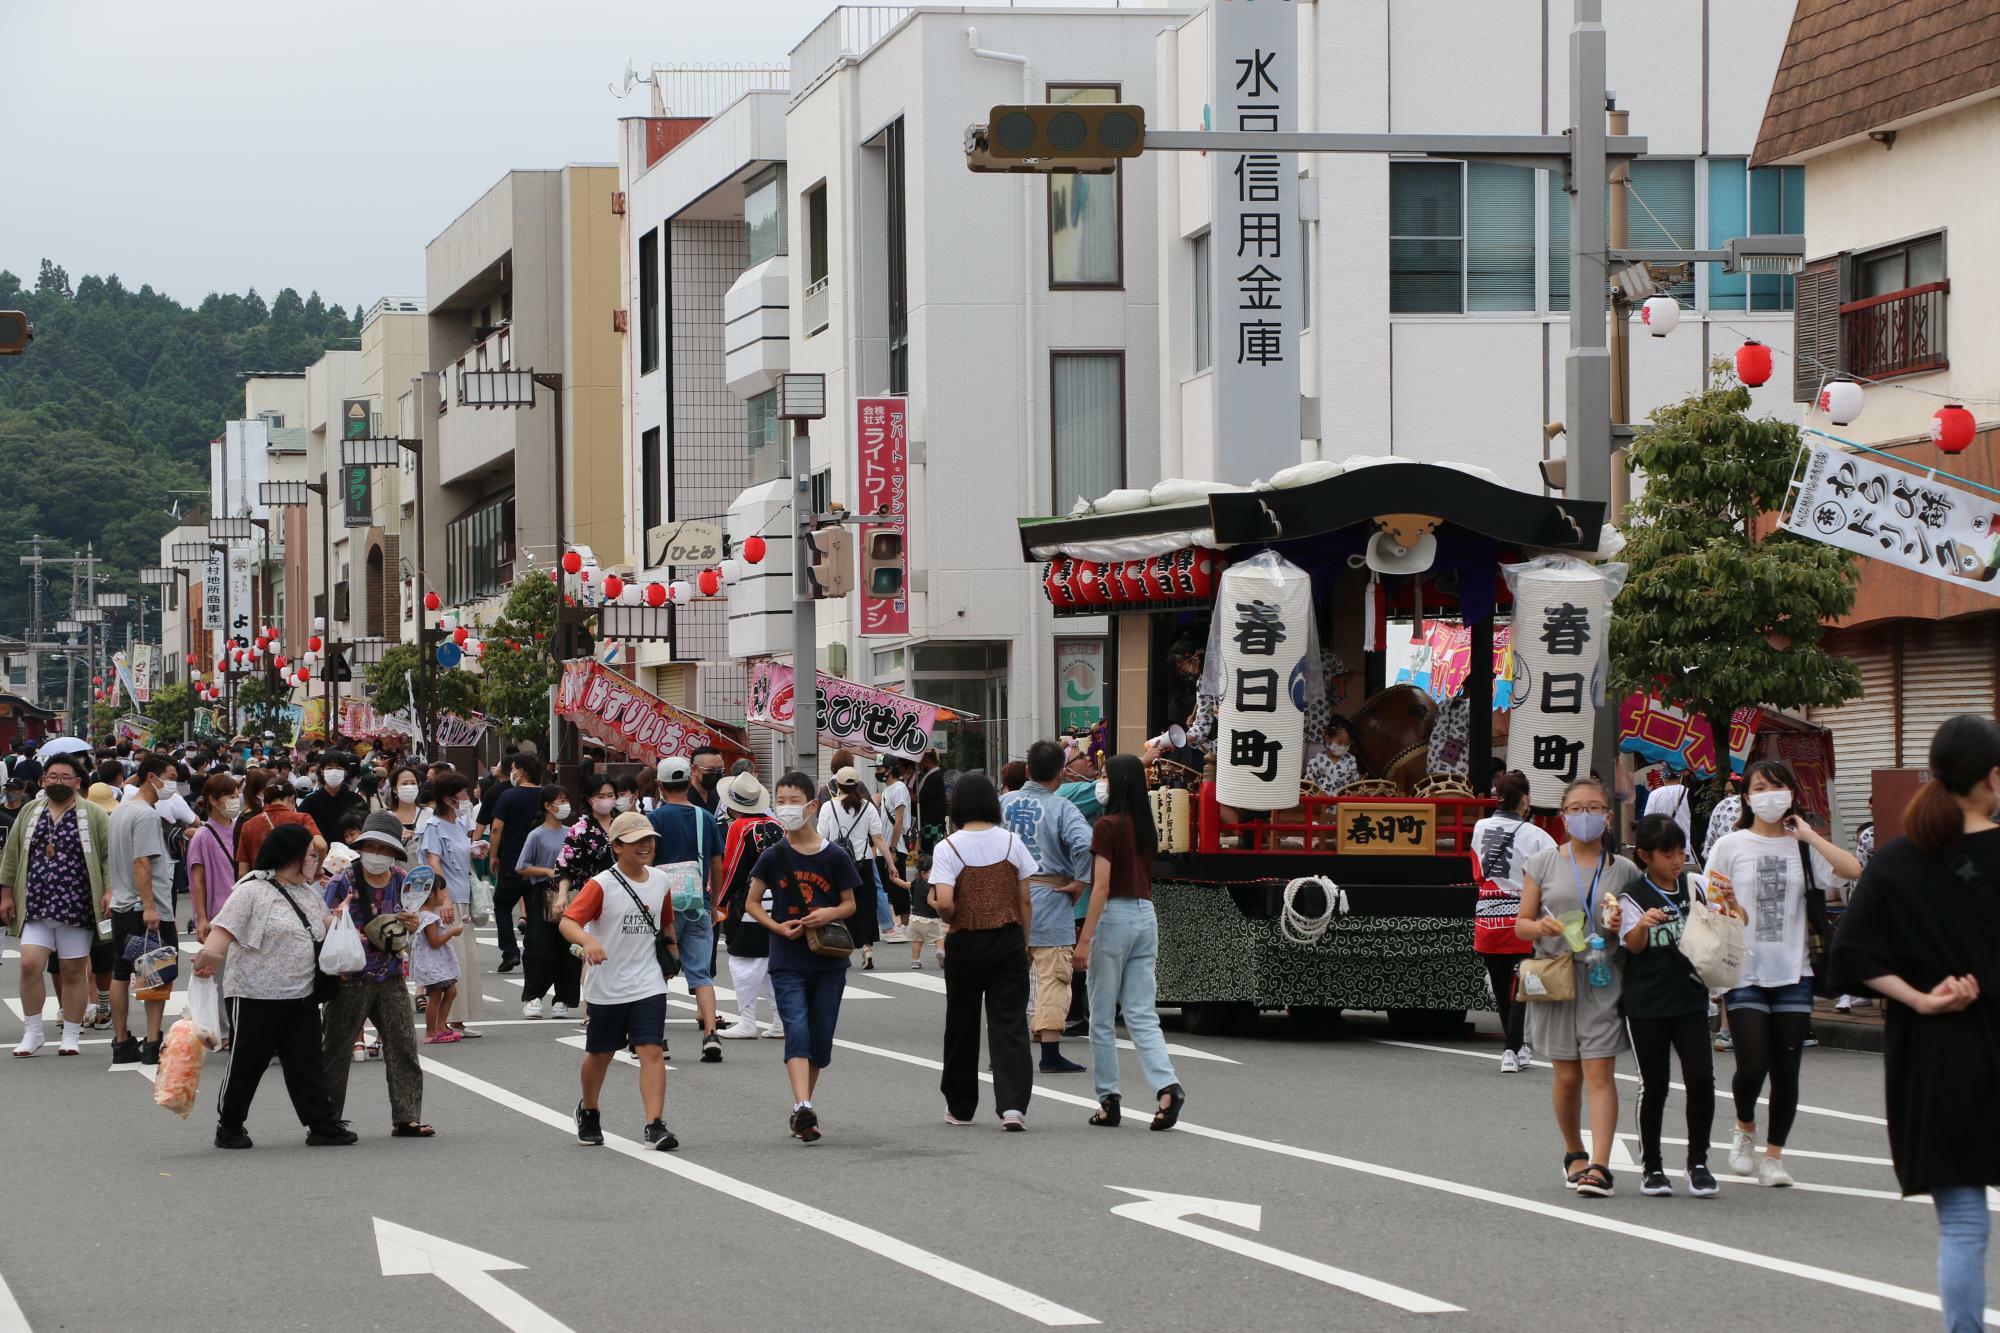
(1317, 817)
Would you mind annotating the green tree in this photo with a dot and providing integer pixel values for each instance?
(516, 682)
(263, 707)
(458, 690)
(1714, 617)
(170, 711)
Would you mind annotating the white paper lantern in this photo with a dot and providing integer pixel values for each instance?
(319, 624)
(1562, 613)
(449, 623)
(680, 592)
(1841, 400)
(631, 595)
(1264, 621)
(475, 647)
(732, 570)
(1661, 315)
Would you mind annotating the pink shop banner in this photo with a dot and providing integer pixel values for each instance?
(851, 716)
(634, 721)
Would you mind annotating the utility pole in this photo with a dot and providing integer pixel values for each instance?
(1620, 178)
(805, 618)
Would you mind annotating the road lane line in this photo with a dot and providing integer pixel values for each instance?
(1790, 1152)
(11, 1318)
(926, 982)
(1542, 1063)
(970, 1280)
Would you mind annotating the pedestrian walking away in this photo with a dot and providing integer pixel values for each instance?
(270, 931)
(752, 832)
(802, 891)
(1505, 841)
(378, 994)
(623, 923)
(1119, 946)
(1666, 1004)
(1774, 864)
(851, 821)
(979, 884)
(547, 964)
(516, 812)
(142, 907)
(1570, 911)
(211, 858)
(689, 843)
(1057, 836)
(1922, 931)
(54, 876)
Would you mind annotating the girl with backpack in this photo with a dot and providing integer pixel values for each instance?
(1504, 841)
(852, 821)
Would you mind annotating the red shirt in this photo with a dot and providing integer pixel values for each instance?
(251, 840)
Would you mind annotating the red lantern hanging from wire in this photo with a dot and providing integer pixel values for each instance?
(753, 550)
(1753, 363)
(431, 601)
(709, 581)
(1952, 428)
(613, 586)
(656, 594)
(572, 562)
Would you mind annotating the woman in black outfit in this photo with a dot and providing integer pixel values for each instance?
(1922, 930)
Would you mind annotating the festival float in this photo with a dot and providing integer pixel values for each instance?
(1316, 814)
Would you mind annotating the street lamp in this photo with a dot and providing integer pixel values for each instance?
(67, 627)
(113, 601)
(368, 451)
(802, 399)
(89, 615)
(229, 529)
(190, 553)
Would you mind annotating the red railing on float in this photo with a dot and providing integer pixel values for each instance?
(1311, 826)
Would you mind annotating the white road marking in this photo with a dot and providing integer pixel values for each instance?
(467, 1271)
(622, 1057)
(924, 981)
(914, 980)
(1004, 1294)
(1169, 1212)
(11, 1318)
(1541, 1062)
(176, 1005)
(1621, 1156)
(1790, 1152)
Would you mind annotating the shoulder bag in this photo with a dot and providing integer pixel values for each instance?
(1546, 979)
(1712, 942)
(665, 951)
(325, 985)
(832, 940)
(1819, 930)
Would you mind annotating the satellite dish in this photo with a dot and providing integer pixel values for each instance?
(1388, 556)
(624, 88)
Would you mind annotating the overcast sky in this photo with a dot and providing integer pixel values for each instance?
(224, 144)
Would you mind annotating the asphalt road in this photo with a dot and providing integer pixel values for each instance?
(1321, 1179)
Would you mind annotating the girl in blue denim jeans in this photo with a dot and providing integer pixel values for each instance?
(1119, 944)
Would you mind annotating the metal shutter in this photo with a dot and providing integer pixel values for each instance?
(1864, 728)
(1947, 669)
(1816, 353)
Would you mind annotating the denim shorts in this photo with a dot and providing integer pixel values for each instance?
(1796, 998)
(613, 1027)
(808, 1004)
(697, 936)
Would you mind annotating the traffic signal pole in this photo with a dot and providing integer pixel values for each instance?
(805, 620)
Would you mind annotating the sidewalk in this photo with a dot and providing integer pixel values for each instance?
(1861, 1030)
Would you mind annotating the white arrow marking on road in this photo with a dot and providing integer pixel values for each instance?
(1169, 1212)
(465, 1270)
(878, 1243)
(11, 1318)
(1621, 1156)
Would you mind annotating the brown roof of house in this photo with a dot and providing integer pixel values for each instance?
(1851, 66)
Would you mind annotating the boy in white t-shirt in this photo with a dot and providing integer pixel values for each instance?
(613, 921)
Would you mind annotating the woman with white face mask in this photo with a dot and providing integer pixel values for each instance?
(379, 993)
(399, 798)
(1768, 866)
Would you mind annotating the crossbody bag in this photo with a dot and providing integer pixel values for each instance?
(325, 986)
(665, 952)
(1819, 930)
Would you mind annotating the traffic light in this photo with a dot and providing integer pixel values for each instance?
(830, 557)
(15, 333)
(882, 563)
(1082, 137)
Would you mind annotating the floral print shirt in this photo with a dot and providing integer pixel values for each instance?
(58, 880)
(586, 852)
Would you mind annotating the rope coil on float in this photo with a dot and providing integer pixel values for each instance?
(1305, 929)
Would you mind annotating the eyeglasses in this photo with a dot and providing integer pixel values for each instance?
(1586, 809)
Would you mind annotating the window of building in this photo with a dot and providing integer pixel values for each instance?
(649, 302)
(1086, 424)
(1204, 312)
(970, 678)
(822, 490)
(1660, 215)
(818, 310)
(650, 489)
(1893, 319)
(1086, 248)
(1898, 268)
(764, 216)
(1461, 238)
(897, 240)
(1767, 201)
(479, 551)
(760, 417)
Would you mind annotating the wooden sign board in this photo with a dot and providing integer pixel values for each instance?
(1386, 828)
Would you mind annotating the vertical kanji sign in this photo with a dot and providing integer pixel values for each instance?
(882, 438)
(1562, 619)
(1257, 296)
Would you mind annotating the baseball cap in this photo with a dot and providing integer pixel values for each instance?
(847, 777)
(631, 826)
(675, 768)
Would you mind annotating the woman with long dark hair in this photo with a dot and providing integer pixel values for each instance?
(1120, 945)
(1922, 930)
(1769, 865)
(979, 883)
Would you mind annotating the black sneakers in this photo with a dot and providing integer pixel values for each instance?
(658, 1137)
(149, 1052)
(126, 1052)
(508, 962)
(588, 1130)
(334, 1134)
(231, 1137)
(805, 1125)
(1701, 1181)
(1656, 1185)
(711, 1049)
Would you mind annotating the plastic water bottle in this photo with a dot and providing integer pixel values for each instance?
(1597, 963)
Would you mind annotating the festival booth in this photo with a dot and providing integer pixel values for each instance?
(1252, 626)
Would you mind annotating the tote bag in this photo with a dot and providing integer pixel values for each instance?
(1713, 943)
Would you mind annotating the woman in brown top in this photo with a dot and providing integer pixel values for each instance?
(979, 884)
(1121, 926)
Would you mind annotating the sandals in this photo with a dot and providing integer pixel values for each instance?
(1107, 1112)
(412, 1131)
(1165, 1117)
(1572, 1172)
(1595, 1182)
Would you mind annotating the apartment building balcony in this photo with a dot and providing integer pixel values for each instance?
(1896, 333)
(472, 441)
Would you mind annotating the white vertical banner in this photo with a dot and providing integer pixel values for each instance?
(1257, 295)
(1562, 621)
(1263, 635)
(211, 591)
(240, 610)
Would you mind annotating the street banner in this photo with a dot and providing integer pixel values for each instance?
(851, 717)
(211, 590)
(357, 489)
(1562, 619)
(137, 730)
(1257, 292)
(632, 720)
(882, 436)
(123, 670)
(312, 720)
(1661, 733)
(1865, 505)
(144, 663)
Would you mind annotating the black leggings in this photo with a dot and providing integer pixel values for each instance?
(1513, 1014)
(1774, 1045)
(1654, 1040)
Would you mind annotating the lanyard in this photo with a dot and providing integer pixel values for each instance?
(1667, 898)
(1590, 897)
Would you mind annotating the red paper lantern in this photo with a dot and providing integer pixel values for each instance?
(1082, 581)
(192, 659)
(1753, 363)
(431, 602)
(656, 595)
(709, 581)
(1953, 428)
(572, 562)
(514, 645)
(460, 635)
(304, 675)
(1202, 574)
(753, 550)
(313, 644)
(613, 585)
(1158, 579)
(1055, 581)
(97, 680)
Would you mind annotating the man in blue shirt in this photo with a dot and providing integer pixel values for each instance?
(686, 832)
(1058, 837)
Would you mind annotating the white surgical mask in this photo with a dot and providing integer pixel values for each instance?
(1336, 750)
(377, 863)
(333, 777)
(1770, 805)
(624, 804)
(562, 811)
(182, 789)
(1103, 791)
(602, 804)
(791, 818)
(407, 793)
(231, 807)
(1585, 825)
(465, 814)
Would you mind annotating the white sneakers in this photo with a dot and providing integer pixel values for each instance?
(1772, 1174)
(557, 1009)
(532, 1009)
(1743, 1154)
(1510, 1063)
(1527, 1054)
(740, 1030)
